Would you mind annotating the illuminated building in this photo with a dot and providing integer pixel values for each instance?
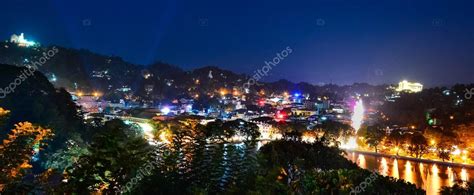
(409, 87)
(90, 103)
(21, 41)
(302, 112)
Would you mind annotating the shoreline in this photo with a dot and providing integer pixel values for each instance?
(446, 163)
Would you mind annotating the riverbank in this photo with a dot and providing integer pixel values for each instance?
(445, 163)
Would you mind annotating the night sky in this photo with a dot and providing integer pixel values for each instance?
(333, 41)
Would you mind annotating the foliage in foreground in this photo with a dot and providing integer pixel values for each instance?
(201, 159)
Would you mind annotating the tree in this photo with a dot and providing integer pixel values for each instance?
(290, 130)
(288, 167)
(335, 130)
(3, 115)
(17, 151)
(113, 158)
(460, 187)
(373, 135)
(249, 131)
(418, 145)
(397, 138)
(443, 150)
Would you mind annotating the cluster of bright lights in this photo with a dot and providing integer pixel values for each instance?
(351, 143)
(147, 131)
(165, 137)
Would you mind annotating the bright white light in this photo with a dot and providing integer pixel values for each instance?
(349, 144)
(147, 130)
(357, 118)
(358, 115)
(165, 110)
(457, 151)
(21, 41)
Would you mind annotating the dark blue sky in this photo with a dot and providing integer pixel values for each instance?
(332, 41)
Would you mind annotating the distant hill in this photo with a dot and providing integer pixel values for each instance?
(82, 70)
(34, 99)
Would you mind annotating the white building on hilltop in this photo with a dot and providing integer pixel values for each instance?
(409, 87)
(21, 41)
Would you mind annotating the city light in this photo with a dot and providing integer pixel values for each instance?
(223, 92)
(165, 110)
(147, 131)
(165, 136)
(281, 115)
(351, 143)
(456, 151)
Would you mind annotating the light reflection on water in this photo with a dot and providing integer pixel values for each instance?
(429, 176)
